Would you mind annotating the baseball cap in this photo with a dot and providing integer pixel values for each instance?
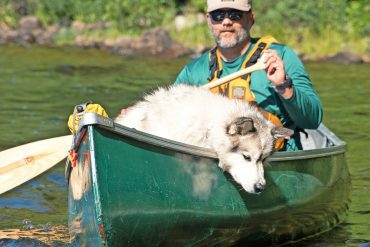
(243, 5)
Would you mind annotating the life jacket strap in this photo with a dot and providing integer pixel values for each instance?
(261, 46)
(215, 65)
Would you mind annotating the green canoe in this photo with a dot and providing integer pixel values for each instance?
(129, 188)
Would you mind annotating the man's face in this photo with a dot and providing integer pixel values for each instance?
(230, 27)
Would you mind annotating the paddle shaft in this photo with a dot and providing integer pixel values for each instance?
(258, 66)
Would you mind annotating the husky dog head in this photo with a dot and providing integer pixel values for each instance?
(250, 140)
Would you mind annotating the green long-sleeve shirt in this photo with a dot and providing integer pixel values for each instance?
(303, 110)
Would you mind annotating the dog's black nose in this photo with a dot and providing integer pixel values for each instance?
(259, 187)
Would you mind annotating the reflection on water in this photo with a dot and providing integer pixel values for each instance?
(295, 185)
(42, 85)
(28, 203)
(80, 176)
(34, 214)
(35, 235)
(203, 175)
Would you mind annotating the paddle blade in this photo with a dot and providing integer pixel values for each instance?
(20, 164)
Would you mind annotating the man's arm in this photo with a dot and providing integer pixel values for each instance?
(304, 107)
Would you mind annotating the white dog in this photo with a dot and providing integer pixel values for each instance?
(235, 130)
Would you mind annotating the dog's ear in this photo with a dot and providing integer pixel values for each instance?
(241, 126)
(279, 131)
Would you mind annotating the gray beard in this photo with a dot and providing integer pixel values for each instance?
(241, 37)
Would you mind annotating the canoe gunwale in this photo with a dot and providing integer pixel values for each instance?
(337, 146)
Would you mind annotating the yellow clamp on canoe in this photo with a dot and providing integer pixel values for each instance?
(73, 122)
(78, 112)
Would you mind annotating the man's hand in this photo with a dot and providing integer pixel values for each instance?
(78, 112)
(275, 71)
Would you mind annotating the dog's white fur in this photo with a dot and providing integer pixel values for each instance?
(235, 130)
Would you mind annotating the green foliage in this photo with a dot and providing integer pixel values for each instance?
(315, 28)
(7, 14)
(89, 11)
(65, 37)
(199, 5)
(286, 13)
(139, 14)
(358, 12)
(313, 15)
(127, 16)
(194, 36)
(61, 12)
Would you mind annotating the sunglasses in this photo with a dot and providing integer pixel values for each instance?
(219, 15)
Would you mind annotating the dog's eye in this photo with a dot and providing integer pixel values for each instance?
(247, 157)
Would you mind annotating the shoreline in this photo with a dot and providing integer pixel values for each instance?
(152, 42)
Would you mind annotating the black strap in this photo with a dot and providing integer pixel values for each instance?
(255, 57)
(303, 131)
(256, 54)
(213, 64)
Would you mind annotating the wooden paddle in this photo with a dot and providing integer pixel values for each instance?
(260, 65)
(22, 163)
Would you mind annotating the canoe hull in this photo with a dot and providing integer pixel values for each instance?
(133, 189)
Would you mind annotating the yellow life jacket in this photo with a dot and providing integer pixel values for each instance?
(239, 88)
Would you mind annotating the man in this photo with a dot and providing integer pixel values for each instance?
(283, 90)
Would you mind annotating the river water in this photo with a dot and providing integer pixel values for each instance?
(40, 86)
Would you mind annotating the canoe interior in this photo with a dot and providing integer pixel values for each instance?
(133, 189)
